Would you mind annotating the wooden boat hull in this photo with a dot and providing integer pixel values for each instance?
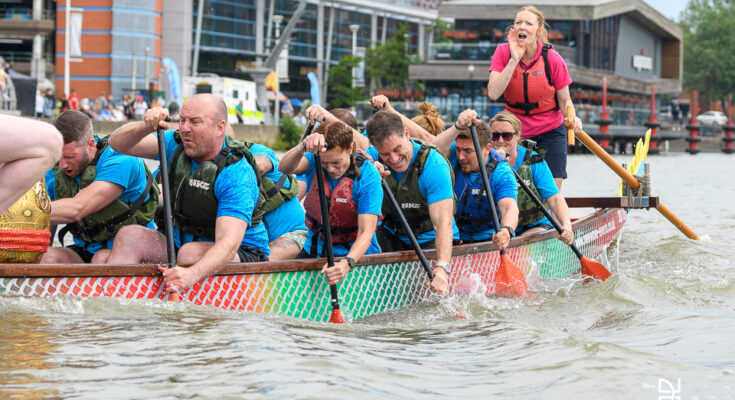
(382, 282)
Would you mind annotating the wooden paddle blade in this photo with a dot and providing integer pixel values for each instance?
(594, 269)
(509, 280)
(336, 317)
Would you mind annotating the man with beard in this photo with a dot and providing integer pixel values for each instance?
(95, 192)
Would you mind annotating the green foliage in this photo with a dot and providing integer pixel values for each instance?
(340, 88)
(709, 62)
(290, 133)
(387, 64)
(441, 27)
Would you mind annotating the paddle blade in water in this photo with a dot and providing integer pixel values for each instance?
(336, 317)
(509, 280)
(174, 297)
(594, 269)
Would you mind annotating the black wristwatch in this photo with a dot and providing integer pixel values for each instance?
(511, 231)
(350, 262)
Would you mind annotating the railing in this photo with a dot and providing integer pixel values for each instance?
(450, 106)
(23, 56)
(483, 52)
(25, 14)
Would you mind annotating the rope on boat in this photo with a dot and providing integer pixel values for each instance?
(34, 240)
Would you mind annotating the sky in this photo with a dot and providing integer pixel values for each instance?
(669, 8)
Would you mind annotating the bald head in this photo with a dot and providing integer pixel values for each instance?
(209, 103)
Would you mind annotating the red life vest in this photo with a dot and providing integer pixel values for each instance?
(532, 91)
(342, 207)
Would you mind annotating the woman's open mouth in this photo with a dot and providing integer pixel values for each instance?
(522, 36)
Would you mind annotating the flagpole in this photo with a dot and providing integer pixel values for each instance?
(67, 41)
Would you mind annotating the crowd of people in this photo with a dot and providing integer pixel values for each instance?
(103, 108)
(234, 201)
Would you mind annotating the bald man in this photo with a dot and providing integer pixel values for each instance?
(214, 194)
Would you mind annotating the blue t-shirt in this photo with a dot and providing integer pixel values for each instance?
(367, 194)
(237, 195)
(117, 168)
(502, 185)
(289, 216)
(542, 179)
(435, 184)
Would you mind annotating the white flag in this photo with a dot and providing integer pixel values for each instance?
(75, 34)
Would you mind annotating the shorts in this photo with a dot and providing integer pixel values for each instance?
(250, 254)
(298, 236)
(81, 252)
(555, 144)
(390, 242)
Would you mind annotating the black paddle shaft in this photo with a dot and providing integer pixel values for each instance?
(543, 209)
(167, 214)
(485, 181)
(407, 228)
(326, 228)
(308, 130)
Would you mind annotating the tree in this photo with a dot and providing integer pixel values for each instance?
(340, 83)
(387, 64)
(709, 62)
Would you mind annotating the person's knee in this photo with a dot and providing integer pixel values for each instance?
(190, 253)
(100, 257)
(58, 255)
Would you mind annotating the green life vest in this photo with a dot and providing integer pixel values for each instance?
(413, 205)
(275, 192)
(528, 212)
(194, 205)
(105, 223)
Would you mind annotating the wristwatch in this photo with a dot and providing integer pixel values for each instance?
(445, 266)
(511, 231)
(350, 262)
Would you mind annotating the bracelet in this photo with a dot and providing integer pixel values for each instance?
(456, 127)
(303, 147)
(510, 231)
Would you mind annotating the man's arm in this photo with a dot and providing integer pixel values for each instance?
(228, 235)
(445, 139)
(319, 114)
(365, 230)
(381, 102)
(89, 200)
(134, 138)
(508, 217)
(264, 163)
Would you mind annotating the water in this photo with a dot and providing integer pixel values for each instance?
(668, 313)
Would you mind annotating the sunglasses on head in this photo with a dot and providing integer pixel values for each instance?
(506, 135)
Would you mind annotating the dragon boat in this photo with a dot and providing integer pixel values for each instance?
(379, 283)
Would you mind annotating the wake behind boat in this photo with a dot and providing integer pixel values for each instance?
(296, 288)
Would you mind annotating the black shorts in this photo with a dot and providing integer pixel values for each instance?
(389, 242)
(555, 144)
(82, 252)
(544, 225)
(249, 254)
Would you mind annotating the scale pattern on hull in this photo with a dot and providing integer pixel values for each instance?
(367, 290)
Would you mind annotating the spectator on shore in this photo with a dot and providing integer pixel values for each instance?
(49, 104)
(127, 105)
(238, 112)
(73, 100)
(139, 107)
(40, 102)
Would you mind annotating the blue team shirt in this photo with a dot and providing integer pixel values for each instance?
(289, 216)
(117, 168)
(542, 179)
(502, 185)
(237, 195)
(367, 193)
(435, 184)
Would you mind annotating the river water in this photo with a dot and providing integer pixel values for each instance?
(666, 317)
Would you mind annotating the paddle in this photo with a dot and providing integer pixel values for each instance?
(589, 267)
(509, 279)
(404, 223)
(632, 182)
(308, 130)
(167, 218)
(336, 317)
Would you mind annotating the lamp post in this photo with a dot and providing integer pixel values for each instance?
(354, 28)
(471, 71)
(277, 19)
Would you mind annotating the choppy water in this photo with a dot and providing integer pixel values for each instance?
(667, 313)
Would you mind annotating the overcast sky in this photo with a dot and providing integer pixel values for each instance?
(669, 8)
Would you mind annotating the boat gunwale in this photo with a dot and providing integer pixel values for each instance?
(264, 267)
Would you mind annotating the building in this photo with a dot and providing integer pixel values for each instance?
(625, 41)
(26, 36)
(237, 35)
(117, 50)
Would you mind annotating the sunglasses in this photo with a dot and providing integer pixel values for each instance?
(506, 135)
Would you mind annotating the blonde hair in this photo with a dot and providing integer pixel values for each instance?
(543, 34)
(505, 116)
(429, 119)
